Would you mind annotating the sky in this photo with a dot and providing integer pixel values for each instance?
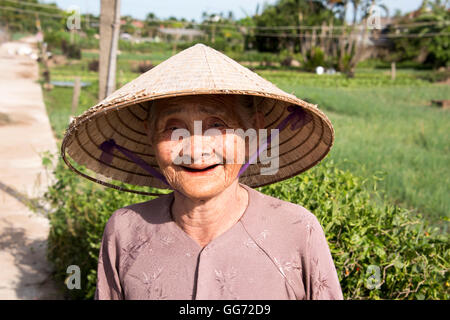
(192, 9)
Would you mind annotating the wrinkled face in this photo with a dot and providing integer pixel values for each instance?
(198, 162)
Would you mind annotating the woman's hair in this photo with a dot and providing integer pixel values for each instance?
(248, 103)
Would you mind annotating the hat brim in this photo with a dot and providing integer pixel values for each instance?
(298, 149)
(198, 70)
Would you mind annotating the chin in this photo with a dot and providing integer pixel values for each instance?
(201, 186)
(201, 190)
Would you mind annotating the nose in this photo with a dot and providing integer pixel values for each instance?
(197, 149)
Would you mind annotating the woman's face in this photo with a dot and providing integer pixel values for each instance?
(201, 163)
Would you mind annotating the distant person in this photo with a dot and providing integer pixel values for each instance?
(180, 127)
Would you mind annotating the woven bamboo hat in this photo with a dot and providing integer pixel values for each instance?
(197, 70)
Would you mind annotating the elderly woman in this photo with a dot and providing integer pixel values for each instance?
(179, 127)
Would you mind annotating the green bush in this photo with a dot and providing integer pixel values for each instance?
(412, 257)
(315, 58)
(71, 50)
(54, 39)
(80, 210)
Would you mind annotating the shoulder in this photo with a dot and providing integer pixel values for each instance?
(288, 221)
(283, 211)
(138, 217)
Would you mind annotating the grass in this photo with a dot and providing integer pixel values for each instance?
(382, 127)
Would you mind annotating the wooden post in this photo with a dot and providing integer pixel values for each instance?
(76, 95)
(393, 71)
(111, 75)
(109, 38)
(46, 72)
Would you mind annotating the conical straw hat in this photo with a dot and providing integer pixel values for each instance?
(197, 70)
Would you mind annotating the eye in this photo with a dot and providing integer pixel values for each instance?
(216, 123)
(173, 125)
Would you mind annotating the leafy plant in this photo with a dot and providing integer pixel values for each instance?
(412, 257)
(80, 210)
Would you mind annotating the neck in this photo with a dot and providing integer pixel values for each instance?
(205, 219)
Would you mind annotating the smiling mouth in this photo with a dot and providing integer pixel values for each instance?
(206, 169)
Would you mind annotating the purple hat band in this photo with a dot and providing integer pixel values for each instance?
(107, 155)
(297, 117)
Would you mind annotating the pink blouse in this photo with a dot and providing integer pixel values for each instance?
(277, 250)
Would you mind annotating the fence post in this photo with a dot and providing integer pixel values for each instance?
(75, 97)
(393, 71)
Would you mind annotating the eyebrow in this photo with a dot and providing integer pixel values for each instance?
(169, 111)
(209, 109)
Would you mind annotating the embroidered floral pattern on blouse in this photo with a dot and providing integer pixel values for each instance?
(292, 265)
(250, 243)
(315, 261)
(131, 252)
(226, 281)
(263, 235)
(153, 290)
(275, 205)
(166, 239)
(320, 283)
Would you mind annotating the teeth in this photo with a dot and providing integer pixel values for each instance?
(192, 169)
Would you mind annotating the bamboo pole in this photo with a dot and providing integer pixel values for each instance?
(393, 71)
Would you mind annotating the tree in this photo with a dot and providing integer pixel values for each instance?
(290, 13)
(432, 50)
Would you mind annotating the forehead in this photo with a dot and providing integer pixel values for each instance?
(190, 106)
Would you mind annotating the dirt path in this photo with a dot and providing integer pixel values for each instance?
(24, 133)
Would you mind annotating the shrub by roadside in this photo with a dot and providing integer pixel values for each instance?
(412, 257)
